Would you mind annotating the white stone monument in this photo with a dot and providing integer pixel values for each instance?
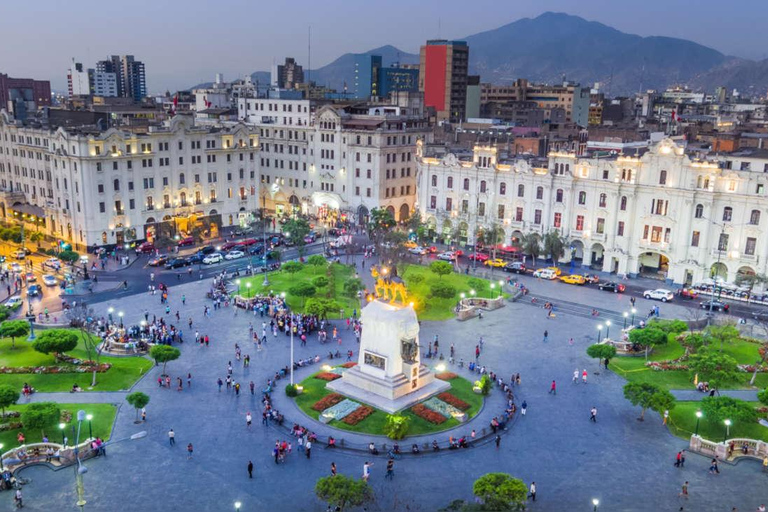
(389, 374)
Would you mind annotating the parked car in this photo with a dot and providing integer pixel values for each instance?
(229, 246)
(556, 270)
(195, 258)
(247, 242)
(213, 258)
(410, 244)
(479, 256)
(158, 260)
(591, 278)
(208, 249)
(516, 266)
(446, 256)
(34, 291)
(310, 238)
(50, 280)
(545, 273)
(53, 263)
(145, 248)
(189, 240)
(689, 293)
(234, 254)
(176, 263)
(243, 231)
(659, 294)
(431, 249)
(19, 255)
(417, 250)
(611, 286)
(495, 262)
(256, 249)
(716, 305)
(14, 302)
(573, 279)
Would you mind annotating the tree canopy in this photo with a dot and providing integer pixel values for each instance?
(57, 341)
(352, 286)
(321, 307)
(317, 260)
(40, 415)
(137, 400)
(341, 491)
(9, 395)
(441, 268)
(302, 290)
(291, 267)
(554, 245)
(500, 491)
(721, 408)
(601, 351)
(296, 229)
(714, 367)
(721, 334)
(14, 329)
(164, 354)
(648, 337)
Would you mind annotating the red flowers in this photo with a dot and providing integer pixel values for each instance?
(327, 401)
(446, 376)
(349, 365)
(327, 376)
(428, 414)
(452, 400)
(358, 415)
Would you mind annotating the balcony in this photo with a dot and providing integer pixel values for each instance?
(598, 237)
(576, 233)
(655, 246)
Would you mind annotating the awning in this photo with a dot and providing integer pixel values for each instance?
(28, 209)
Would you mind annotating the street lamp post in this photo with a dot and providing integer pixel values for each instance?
(595, 502)
(31, 328)
(109, 313)
(120, 314)
(599, 332)
(698, 418)
(248, 286)
(607, 328)
(238, 286)
(727, 429)
(238, 505)
(90, 425)
(625, 320)
(633, 316)
(1, 457)
(80, 469)
(62, 426)
(501, 287)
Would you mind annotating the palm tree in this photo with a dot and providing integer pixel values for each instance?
(554, 245)
(531, 244)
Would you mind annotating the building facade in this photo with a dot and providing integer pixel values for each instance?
(94, 188)
(443, 71)
(26, 94)
(572, 98)
(86, 82)
(288, 75)
(665, 214)
(129, 74)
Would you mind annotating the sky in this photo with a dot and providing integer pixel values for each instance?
(183, 43)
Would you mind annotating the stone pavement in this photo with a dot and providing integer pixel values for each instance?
(627, 465)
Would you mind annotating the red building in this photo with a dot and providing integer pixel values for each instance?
(35, 93)
(443, 78)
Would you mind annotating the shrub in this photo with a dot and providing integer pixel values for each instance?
(290, 390)
(358, 415)
(454, 401)
(292, 267)
(396, 426)
(477, 284)
(69, 256)
(353, 286)
(320, 282)
(428, 414)
(327, 401)
(317, 260)
(442, 290)
(669, 325)
(415, 279)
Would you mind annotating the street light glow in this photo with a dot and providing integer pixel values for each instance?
(595, 501)
(699, 414)
(89, 417)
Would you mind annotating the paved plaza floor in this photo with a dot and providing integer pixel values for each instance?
(626, 464)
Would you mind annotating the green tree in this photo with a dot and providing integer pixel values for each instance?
(14, 329)
(164, 354)
(9, 395)
(500, 491)
(69, 256)
(721, 334)
(441, 268)
(292, 267)
(138, 400)
(648, 337)
(40, 415)
(36, 238)
(713, 367)
(303, 290)
(669, 326)
(296, 229)
(396, 426)
(5, 312)
(531, 245)
(641, 394)
(352, 286)
(321, 307)
(341, 491)
(554, 245)
(415, 225)
(763, 396)
(317, 260)
(442, 290)
(320, 281)
(721, 408)
(56, 341)
(601, 351)
(662, 401)
(381, 221)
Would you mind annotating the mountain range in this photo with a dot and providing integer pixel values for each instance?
(557, 46)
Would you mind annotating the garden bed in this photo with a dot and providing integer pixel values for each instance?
(422, 411)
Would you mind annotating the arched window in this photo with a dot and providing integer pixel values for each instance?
(754, 217)
(502, 189)
(181, 178)
(603, 200)
(567, 167)
(520, 190)
(434, 180)
(183, 199)
(150, 203)
(116, 185)
(699, 181)
(727, 214)
(623, 203)
(663, 178)
(482, 186)
(450, 181)
(559, 196)
(582, 197)
(198, 197)
(557, 169)
(466, 183)
(699, 211)
(539, 192)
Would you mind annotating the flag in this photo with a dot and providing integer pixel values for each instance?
(674, 115)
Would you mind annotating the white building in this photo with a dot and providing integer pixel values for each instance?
(93, 188)
(664, 214)
(85, 82)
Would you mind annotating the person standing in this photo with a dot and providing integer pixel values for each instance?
(144, 414)
(172, 437)
(250, 469)
(576, 376)
(546, 336)
(593, 414)
(553, 388)
(367, 470)
(333, 469)
(666, 416)
(523, 407)
(308, 448)
(498, 441)
(248, 419)
(713, 467)
(189, 451)
(584, 376)
(533, 491)
(678, 457)
(390, 469)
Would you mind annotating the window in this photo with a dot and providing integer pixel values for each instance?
(620, 228)
(600, 229)
(500, 212)
(744, 166)
(482, 186)
(603, 200)
(623, 203)
(520, 190)
(605, 174)
(558, 219)
(466, 183)
(559, 195)
(116, 185)
(434, 180)
(537, 217)
(150, 203)
(722, 243)
(582, 197)
(181, 178)
(166, 201)
(656, 234)
(100, 188)
(464, 206)
(754, 217)
(502, 189)
(519, 214)
(749, 248)
(481, 209)
(102, 207)
(659, 206)
(727, 214)
(448, 203)
(695, 238)
(645, 232)
(699, 211)
(579, 223)
(132, 204)
(663, 178)
(450, 181)
(759, 189)
(539, 192)
(433, 202)
(183, 199)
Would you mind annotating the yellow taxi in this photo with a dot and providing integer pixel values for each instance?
(573, 279)
(556, 270)
(410, 244)
(495, 262)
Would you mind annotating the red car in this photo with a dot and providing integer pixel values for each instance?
(186, 241)
(688, 293)
(145, 248)
(479, 256)
(432, 250)
(229, 245)
(247, 242)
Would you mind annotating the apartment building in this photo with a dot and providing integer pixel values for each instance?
(92, 187)
(665, 214)
(443, 76)
(570, 97)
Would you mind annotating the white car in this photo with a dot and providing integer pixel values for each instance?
(50, 280)
(212, 258)
(659, 294)
(545, 273)
(15, 267)
(233, 255)
(446, 256)
(53, 263)
(418, 250)
(13, 301)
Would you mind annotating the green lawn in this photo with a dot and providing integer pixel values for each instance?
(633, 368)
(282, 281)
(314, 390)
(103, 417)
(418, 281)
(124, 372)
(683, 423)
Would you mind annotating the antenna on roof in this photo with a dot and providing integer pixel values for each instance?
(309, 56)
(439, 23)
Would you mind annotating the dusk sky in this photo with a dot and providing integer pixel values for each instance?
(184, 43)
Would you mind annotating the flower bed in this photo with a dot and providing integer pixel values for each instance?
(341, 410)
(327, 401)
(452, 400)
(327, 376)
(431, 416)
(446, 376)
(441, 407)
(348, 365)
(358, 415)
(665, 366)
(83, 368)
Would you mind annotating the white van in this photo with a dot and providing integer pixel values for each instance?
(545, 273)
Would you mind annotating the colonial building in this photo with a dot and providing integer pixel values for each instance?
(93, 187)
(666, 213)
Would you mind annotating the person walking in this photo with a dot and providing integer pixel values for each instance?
(189, 451)
(684, 491)
(248, 419)
(333, 469)
(308, 448)
(576, 376)
(713, 469)
(546, 336)
(172, 437)
(593, 414)
(533, 491)
(523, 407)
(144, 414)
(498, 441)
(390, 469)
(250, 469)
(678, 457)
(367, 470)
(553, 388)
(584, 376)
(220, 383)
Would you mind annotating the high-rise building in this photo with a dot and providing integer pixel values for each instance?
(443, 78)
(86, 82)
(21, 95)
(288, 75)
(573, 98)
(129, 74)
(473, 97)
(399, 79)
(367, 76)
